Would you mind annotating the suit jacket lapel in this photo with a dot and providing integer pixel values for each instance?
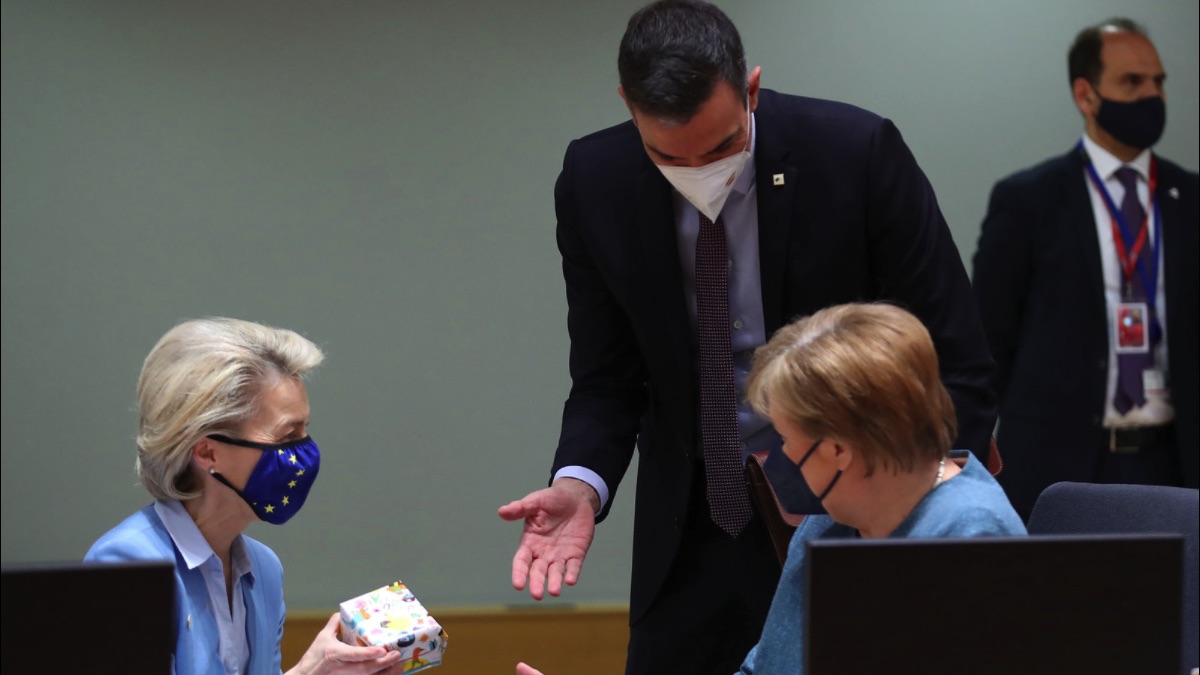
(1173, 256)
(1078, 209)
(660, 245)
(776, 184)
(656, 225)
(262, 647)
(661, 275)
(199, 625)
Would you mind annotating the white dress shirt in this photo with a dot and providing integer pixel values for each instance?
(1158, 409)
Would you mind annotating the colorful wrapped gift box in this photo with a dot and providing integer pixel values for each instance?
(392, 617)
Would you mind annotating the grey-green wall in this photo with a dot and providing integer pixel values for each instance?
(378, 176)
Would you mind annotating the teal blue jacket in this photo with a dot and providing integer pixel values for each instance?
(971, 504)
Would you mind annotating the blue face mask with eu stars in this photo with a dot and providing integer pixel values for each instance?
(280, 481)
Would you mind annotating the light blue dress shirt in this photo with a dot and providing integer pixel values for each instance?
(229, 611)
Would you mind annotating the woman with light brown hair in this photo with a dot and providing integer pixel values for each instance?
(854, 391)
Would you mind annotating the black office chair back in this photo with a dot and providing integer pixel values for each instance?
(1086, 508)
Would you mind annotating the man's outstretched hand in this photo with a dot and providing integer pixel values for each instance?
(559, 524)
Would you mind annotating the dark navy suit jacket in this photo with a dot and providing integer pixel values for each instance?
(1040, 286)
(851, 218)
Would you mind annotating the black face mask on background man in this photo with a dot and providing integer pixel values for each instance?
(1138, 124)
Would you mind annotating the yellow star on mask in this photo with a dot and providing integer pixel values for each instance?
(285, 501)
(300, 472)
(292, 484)
(280, 451)
(269, 509)
(292, 459)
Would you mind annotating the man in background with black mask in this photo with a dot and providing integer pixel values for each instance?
(1086, 276)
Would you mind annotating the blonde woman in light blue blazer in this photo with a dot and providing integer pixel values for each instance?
(222, 441)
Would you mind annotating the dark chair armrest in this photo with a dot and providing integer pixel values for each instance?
(781, 524)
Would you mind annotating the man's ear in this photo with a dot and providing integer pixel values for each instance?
(1085, 96)
(752, 84)
(621, 92)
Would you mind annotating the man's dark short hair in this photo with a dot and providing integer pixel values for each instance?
(674, 53)
(1084, 58)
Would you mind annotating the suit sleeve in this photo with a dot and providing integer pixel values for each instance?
(1003, 265)
(919, 266)
(603, 412)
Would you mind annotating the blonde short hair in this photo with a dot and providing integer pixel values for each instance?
(866, 374)
(204, 377)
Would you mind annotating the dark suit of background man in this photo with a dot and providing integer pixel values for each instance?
(1061, 310)
(821, 203)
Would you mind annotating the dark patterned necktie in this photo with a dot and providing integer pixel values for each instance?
(728, 501)
(1129, 391)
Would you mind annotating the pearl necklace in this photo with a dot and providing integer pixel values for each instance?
(941, 472)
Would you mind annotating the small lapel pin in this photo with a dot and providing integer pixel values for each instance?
(777, 179)
(1174, 192)
(189, 621)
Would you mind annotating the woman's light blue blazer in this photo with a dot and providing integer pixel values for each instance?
(143, 536)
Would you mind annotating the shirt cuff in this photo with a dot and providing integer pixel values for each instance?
(588, 476)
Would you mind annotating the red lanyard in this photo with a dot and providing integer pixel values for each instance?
(1127, 257)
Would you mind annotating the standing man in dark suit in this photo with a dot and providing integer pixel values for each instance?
(689, 234)
(1086, 277)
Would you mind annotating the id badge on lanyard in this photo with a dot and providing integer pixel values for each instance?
(1131, 324)
(1135, 326)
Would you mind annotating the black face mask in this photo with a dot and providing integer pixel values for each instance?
(795, 495)
(1138, 124)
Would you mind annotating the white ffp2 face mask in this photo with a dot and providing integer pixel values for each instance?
(707, 187)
